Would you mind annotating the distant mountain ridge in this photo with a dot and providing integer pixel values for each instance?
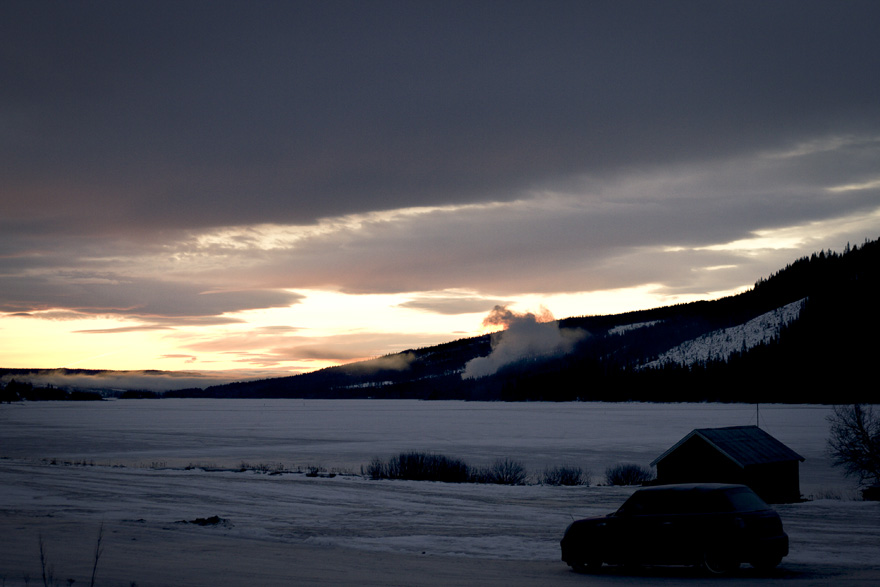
(806, 334)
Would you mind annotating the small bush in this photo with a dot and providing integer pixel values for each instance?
(270, 468)
(501, 472)
(564, 475)
(375, 469)
(419, 466)
(827, 493)
(628, 474)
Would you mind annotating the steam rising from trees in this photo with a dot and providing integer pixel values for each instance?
(395, 362)
(525, 336)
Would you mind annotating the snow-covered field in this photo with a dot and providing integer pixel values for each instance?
(141, 467)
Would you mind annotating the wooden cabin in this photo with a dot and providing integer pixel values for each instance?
(738, 454)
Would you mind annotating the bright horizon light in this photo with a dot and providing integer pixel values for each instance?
(322, 319)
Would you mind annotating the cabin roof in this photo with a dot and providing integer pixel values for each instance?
(744, 445)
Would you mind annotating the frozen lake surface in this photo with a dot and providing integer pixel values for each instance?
(140, 489)
(344, 434)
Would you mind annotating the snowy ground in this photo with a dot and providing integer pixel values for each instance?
(720, 344)
(292, 529)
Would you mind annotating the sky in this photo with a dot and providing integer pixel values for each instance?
(252, 188)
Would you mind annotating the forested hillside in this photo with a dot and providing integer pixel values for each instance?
(825, 354)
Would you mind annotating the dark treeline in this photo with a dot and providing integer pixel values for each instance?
(17, 391)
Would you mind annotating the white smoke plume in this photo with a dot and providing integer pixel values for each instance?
(395, 362)
(526, 335)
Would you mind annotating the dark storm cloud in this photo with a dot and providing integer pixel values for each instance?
(555, 146)
(183, 114)
(643, 231)
(137, 298)
(450, 305)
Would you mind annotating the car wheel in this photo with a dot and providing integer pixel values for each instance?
(765, 564)
(718, 562)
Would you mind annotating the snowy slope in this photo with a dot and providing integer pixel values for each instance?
(720, 344)
(630, 327)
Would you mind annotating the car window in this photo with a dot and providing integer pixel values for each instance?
(745, 500)
(714, 502)
(632, 506)
(649, 503)
(695, 502)
(638, 504)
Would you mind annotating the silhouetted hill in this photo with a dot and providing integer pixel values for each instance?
(805, 334)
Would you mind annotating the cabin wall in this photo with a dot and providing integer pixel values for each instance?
(696, 461)
(775, 482)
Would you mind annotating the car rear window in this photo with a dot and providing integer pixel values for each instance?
(745, 500)
(654, 502)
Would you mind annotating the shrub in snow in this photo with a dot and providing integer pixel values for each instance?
(374, 470)
(566, 476)
(628, 474)
(419, 466)
(502, 472)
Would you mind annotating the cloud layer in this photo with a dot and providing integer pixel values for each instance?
(175, 164)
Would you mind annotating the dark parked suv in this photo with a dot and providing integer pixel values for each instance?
(714, 525)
